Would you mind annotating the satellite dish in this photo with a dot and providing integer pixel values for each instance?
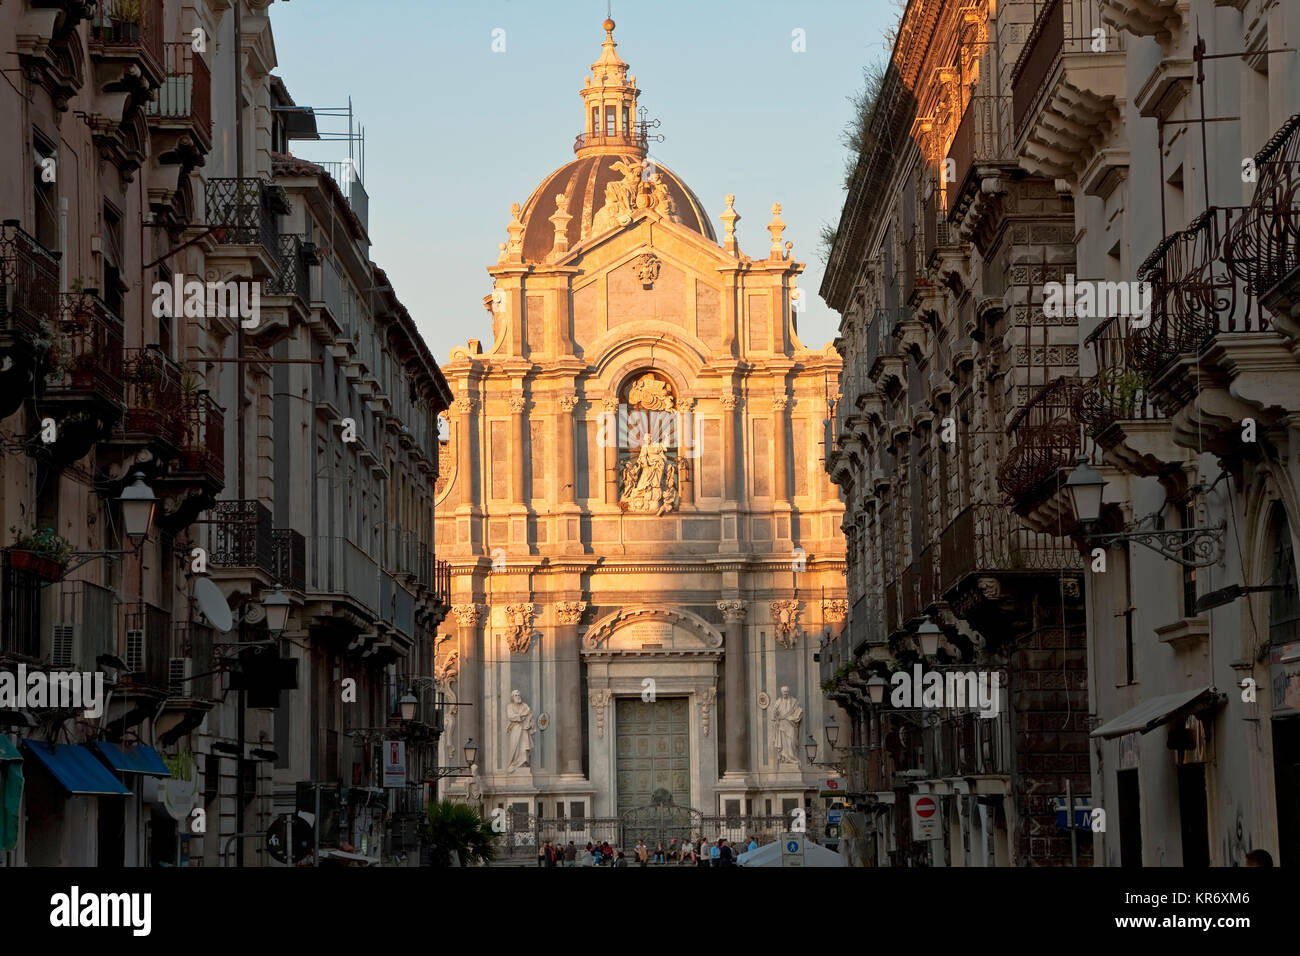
(213, 604)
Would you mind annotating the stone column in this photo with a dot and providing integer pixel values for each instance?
(610, 431)
(780, 451)
(737, 729)
(517, 405)
(568, 672)
(464, 434)
(687, 441)
(564, 436)
(730, 489)
(469, 685)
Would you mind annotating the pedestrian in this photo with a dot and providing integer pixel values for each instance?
(659, 851)
(687, 852)
(725, 854)
(715, 853)
(549, 850)
(642, 853)
(701, 853)
(570, 854)
(674, 851)
(753, 845)
(621, 861)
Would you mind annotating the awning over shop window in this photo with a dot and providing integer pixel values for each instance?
(1150, 714)
(8, 751)
(76, 768)
(138, 759)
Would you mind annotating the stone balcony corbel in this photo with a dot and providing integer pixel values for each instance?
(1146, 18)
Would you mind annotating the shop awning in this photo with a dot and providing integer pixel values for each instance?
(138, 759)
(76, 768)
(7, 750)
(1150, 714)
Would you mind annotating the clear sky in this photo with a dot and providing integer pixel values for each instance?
(456, 132)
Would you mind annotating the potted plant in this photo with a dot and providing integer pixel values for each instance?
(83, 369)
(43, 552)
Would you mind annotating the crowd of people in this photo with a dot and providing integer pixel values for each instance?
(701, 852)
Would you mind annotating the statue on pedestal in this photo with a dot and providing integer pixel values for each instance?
(787, 714)
(520, 728)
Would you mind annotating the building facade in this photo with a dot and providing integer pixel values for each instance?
(1084, 154)
(643, 550)
(189, 309)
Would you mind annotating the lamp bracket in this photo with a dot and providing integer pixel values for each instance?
(1190, 547)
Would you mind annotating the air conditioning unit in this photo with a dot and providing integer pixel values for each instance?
(63, 646)
(179, 672)
(135, 650)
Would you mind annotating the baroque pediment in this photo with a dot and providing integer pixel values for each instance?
(659, 630)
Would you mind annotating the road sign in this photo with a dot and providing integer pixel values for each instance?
(1082, 813)
(925, 817)
(831, 787)
(792, 849)
(834, 817)
(290, 838)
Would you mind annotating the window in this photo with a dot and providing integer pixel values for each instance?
(577, 812)
(111, 288)
(627, 127)
(595, 121)
(609, 121)
(45, 194)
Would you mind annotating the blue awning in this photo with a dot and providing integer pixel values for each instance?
(138, 759)
(76, 768)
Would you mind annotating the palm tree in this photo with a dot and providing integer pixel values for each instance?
(457, 827)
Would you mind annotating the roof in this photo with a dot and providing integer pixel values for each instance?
(1150, 714)
(583, 183)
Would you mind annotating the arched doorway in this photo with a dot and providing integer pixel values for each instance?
(661, 821)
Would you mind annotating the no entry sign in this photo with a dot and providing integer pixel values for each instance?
(925, 817)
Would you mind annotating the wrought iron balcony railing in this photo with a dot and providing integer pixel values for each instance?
(1194, 294)
(293, 277)
(246, 211)
(147, 644)
(983, 136)
(186, 93)
(880, 337)
(241, 535)
(1045, 437)
(135, 26)
(203, 452)
(1263, 248)
(29, 281)
(154, 397)
(1119, 391)
(289, 559)
(636, 140)
(986, 537)
(86, 350)
(1061, 27)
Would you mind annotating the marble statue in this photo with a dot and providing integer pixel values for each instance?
(520, 727)
(787, 714)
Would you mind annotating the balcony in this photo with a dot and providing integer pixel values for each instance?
(327, 318)
(184, 102)
(883, 358)
(1065, 88)
(983, 138)
(285, 294)
(1264, 247)
(203, 457)
(240, 537)
(1116, 408)
(244, 214)
(629, 140)
(83, 374)
(147, 645)
(129, 33)
(1144, 18)
(348, 180)
(29, 284)
(1045, 438)
(343, 573)
(986, 539)
(289, 559)
(155, 415)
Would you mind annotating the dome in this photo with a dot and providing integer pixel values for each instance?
(587, 183)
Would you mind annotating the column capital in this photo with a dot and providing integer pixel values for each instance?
(517, 404)
(467, 615)
(570, 612)
(780, 403)
(733, 612)
(464, 405)
(568, 402)
(610, 404)
(835, 610)
(729, 400)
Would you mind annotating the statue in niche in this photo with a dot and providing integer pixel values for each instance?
(649, 470)
(787, 715)
(520, 728)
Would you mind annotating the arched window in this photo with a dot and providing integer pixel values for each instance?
(1284, 605)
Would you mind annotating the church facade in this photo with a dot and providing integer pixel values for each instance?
(645, 552)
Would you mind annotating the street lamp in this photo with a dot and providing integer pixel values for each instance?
(138, 506)
(276, 605)
(471, 752)
(811, 749)
(832, 732)
(407, 706)
(876, 688)
(928, 634)
(1085, 486)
